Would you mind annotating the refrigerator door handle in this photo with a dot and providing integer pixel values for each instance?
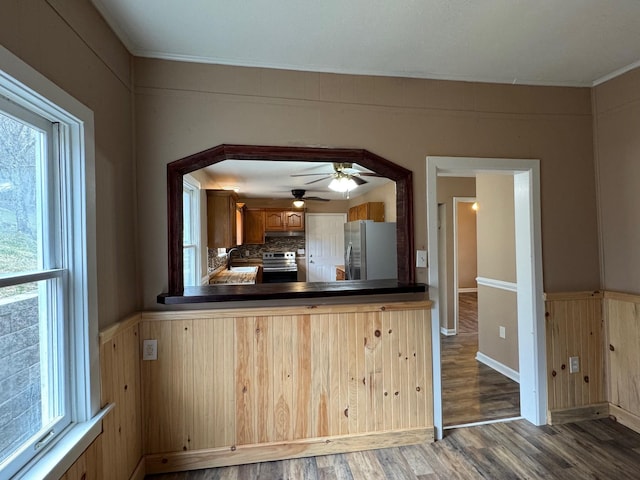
(347, 261)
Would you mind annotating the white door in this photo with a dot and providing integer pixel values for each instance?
(325, 245)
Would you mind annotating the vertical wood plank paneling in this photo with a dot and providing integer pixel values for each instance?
(400, 394)
(574, 327)
(361, 375)
(302, 380)
(245, 389)
(335, 374)
(264, 372)
(282, 417)
(321, 370)
(120, 385)
(281, 378)
(352, 371)
(168, 387)
(377, 381)
(343, 373)
(89, 465)
(388, 371)
(623, 325)
(213, 386)
(412, 341)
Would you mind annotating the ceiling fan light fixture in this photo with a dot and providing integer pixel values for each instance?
(343, 184)
(298, 203)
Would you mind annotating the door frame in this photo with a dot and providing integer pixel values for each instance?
(530, 296)
(456, 290)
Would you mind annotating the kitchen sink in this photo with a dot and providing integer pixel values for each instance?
(244, 269)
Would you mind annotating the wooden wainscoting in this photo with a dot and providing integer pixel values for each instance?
(574, 327)
(239, 386)
(622, 318)
(89, 465)
(120, 379)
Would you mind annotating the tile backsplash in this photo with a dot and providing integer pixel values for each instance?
(272, 244)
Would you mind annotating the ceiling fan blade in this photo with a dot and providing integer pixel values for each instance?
(358, 180)
(316, 199)
(318, 180)
(369, 174)
(307, 174)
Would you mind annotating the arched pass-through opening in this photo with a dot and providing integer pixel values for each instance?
(401, 176)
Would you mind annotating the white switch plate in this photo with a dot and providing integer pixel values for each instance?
(574, 364)
(503, 332)
(421, 258)
(150, 350)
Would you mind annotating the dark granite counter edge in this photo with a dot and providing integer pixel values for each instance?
(293, 290)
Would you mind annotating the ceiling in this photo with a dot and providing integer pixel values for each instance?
(536, 42)
(265, 179)
(540, 42)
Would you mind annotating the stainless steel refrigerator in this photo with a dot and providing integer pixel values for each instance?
(370, 250)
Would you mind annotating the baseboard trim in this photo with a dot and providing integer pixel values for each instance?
(468, 290)
(578, 414)
(266, 452)
(498, 367)
(447, 331)
(625, 417)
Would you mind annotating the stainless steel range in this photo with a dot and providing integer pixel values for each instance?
(279, 267)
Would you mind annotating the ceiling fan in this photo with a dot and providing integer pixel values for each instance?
(299, 195)
(341, 171)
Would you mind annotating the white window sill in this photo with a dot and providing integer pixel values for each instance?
(53, 463)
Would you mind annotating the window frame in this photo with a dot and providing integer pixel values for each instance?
(190, 184)
(27, 88)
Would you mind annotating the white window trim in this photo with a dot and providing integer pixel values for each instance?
(25, 86)
(194, 185)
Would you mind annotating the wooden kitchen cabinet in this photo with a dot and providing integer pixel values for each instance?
(284, 220)
(223, 219)
(340, 273)
(367, 211)
(254, 226)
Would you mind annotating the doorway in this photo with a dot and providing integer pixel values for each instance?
(531, 348)
(324, 245)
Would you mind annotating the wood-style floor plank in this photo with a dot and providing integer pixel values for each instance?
(471, 391)
(599, 449)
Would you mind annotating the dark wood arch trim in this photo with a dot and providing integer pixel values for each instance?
(375, 163)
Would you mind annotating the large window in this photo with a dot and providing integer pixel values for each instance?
(48, 346)
(191, 231)
(34, 399)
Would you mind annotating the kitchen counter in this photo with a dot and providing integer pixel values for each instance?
(292, 290)
(237, 276)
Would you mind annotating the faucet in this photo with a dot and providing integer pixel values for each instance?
(229, 257)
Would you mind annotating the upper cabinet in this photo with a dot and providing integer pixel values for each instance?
(254, 226)
(367, 211)
(284, 220)
(224, 219)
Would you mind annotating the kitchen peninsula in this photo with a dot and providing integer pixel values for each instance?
(243, 385)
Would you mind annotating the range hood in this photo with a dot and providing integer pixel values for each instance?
(284, 234)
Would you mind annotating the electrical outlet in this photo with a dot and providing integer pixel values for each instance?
(574, 364)
(503, 332)
(421, 258)
(150, 350)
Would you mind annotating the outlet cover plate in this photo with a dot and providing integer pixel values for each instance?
(574, 364)
(150, 350)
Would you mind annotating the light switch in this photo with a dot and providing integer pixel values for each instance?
(421, 258)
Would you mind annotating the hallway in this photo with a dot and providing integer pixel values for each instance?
(471, 391)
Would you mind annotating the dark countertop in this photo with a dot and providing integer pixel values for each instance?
(291, 290)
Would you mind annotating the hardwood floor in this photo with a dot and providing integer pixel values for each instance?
(471, 391)
(596, 449)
